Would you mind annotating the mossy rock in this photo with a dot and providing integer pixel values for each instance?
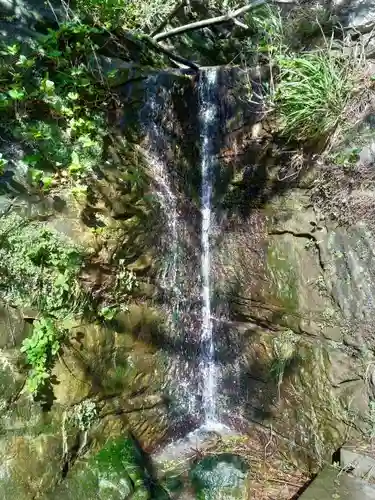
(117, 472)
(222, 476)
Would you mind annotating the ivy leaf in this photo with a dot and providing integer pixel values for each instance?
(16, 94)
(62, 282)
(47, 183)
(32, 160)
(54, 53)
(36, 175)
(25, 62)
(11, 50)
(73, 96)
(47, 86)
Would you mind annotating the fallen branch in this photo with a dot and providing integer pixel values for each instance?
(208, 22)
(170, 54)
(170, 16)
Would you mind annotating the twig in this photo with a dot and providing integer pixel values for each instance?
(208, 22)
(268, 443)
(281, 481)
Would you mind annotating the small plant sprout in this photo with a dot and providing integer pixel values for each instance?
(3, 164)
(40, 350)
(108, 313)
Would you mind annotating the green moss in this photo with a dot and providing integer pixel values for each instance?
(117, 472)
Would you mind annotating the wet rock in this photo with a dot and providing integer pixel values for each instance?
(350, 256)
(357, 14)
(296, 290)
(13, 327)
(220, 477)
(103, 388)
(30, 11)
(30, 465)
(117, 472)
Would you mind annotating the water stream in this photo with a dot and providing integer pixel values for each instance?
(193, 385)
(208, 123)
(175, 274)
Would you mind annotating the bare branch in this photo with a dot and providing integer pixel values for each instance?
(170, 16)
(170, 54)
(208, 22)
(240, 24)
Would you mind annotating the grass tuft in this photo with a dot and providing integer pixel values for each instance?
(312, 92)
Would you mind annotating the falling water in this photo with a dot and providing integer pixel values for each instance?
(166, 197)
(168, 204)
(208, 122)
(175, 238)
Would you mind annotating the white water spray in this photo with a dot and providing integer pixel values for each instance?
(208, 121)
(168, 203)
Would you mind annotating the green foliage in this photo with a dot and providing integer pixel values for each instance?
(3, 163)
(274, 34)
(347, 158)
(130, 14)
(126, 281)
(56, 103)
(311, 94)
(39, 268)
(284, 350)
(267, 27)
(41, 349)
(312, 86)
(108, 313)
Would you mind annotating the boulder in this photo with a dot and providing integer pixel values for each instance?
(356, 14)
(220, 477)
(117, 472)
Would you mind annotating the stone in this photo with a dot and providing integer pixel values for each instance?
(30, 465)
(220, 477)
(13, 328)
(357, 14)
(30, 11)
(358, 457)
(332, 483)
(349, 256)
(117, 472)
(293, 284)
(73, 385)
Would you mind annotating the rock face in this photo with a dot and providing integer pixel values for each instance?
(117, 472)
(294, 296)
(101, 389)
(297, 315)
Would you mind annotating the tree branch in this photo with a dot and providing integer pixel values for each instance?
(170, 54)
(208, 22)
(170, 16)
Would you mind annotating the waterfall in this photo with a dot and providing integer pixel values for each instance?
(174, 247)
(180, 276)
(208, 123)
(164, 192)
